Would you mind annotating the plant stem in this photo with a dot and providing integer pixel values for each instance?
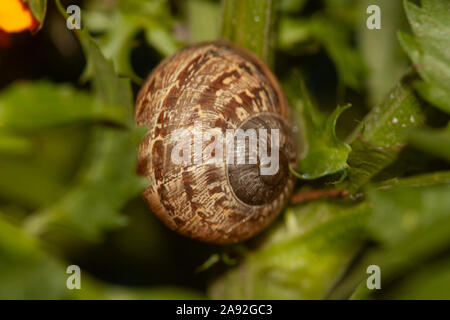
(251, 24)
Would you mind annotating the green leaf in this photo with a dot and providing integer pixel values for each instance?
(119, 25)
(334, 37)
(366, 160)
(429, 282)
(292, 32)
(344, 11)
(423, 180)
(39, 174)
(105, 183)
(301, 258)
(292, 5)
(326, 153)
(26, 272)
(435, 95)
(409, 224)
(106, 83)
(429, 49)
(95, 290)
(380, 137)
(322, 152)
(107, 177)
(41, 104)
(13, 144)
(434, 141)
(208, 27)
(162, 40)
(403, 211)
(38, 8)
(412, 225)
(349, 64)
(382, 54)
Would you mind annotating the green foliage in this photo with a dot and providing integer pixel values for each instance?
(408, 222)
(208, 27)
(380, 48)
(333, 36)
(323, 153)
(380, 137)
(39, 167)
(412, 225)
(68, 156)
(428, 282)
(121, 22)
(429, 51)
(435, 141)
(428, 179)
(41, 104)
(292, 5)
(404, 211)
(301, 258)
(92, 205)
(13, 144)
(26, 272)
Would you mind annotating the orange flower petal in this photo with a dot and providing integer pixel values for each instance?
(15, 16)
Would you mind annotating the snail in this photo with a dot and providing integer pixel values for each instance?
(214, 87)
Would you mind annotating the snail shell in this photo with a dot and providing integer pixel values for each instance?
(224, 87)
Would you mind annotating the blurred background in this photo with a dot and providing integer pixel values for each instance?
(68, 189)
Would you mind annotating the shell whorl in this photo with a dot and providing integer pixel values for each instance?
(223, 87)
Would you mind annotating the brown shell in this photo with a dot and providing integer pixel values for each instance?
(222, 86)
